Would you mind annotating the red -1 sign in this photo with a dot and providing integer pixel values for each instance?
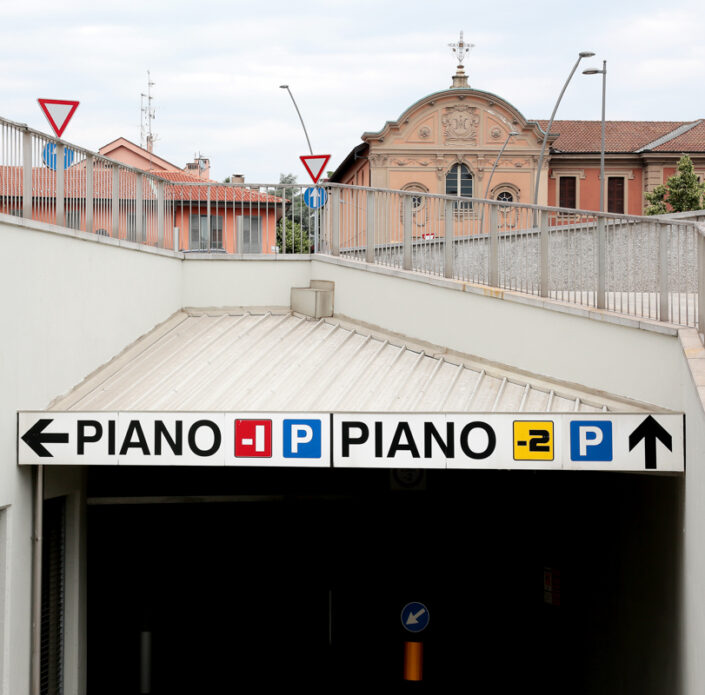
(315, 164)
(58, 113)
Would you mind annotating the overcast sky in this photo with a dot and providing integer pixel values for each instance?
(351, 66)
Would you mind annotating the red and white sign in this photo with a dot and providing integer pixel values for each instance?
(315, 164)
(58, 112)
(253, 438)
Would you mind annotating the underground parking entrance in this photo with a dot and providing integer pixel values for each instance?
(215, 580)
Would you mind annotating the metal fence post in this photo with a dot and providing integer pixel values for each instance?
(494, 248)
(700, 231)
(370, 228)
(664, 232)
(160, 214)
(139, 211)
(544, 267)
(60, 188)
(407, 262)
(89, 194)
(448, 241)
(115, 203)
(601, 263)
(335, 221)
(27, 175)
(208, 217)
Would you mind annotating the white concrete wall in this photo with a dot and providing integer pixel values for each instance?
(693, 572)
(222, 281)
(71, 303)
(569, 343)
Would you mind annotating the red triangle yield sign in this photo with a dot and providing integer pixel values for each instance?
(58, 113)
(315, 164)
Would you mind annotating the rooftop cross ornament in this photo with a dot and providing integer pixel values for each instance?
(461, 49)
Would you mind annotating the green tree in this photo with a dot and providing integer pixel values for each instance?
(297, 238)
(296, 212)
(682, 191)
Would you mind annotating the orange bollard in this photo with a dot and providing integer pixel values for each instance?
(413, 661)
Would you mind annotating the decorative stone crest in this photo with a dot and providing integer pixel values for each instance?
(460, 124)
(424, 131)
(496, 133)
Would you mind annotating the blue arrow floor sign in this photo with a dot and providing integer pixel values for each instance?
(415, 617)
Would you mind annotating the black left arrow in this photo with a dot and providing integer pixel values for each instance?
(35, 437)
(650, 430)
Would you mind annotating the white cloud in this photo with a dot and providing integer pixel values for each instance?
(218, 65)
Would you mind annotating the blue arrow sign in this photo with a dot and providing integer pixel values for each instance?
(49, 156)
(415, 617)
(315, 197)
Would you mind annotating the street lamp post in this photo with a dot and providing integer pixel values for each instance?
(310, 149)
(581, 55)
(511, 134)
(496, 161)
(603, 72)
(286, 86)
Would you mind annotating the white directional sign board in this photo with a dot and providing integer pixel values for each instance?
(519, 441)
(171, 439)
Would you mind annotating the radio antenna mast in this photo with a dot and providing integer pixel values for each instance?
(147, 138)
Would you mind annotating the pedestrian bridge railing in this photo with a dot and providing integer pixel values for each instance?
(640, 266)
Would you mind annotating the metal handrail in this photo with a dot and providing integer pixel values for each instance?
(642, 266)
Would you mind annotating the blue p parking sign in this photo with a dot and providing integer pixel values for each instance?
(590, 440)
(302, 439)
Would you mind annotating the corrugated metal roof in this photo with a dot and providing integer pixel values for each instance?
(248, 360)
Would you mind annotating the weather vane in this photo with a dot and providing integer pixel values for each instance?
(461, 49)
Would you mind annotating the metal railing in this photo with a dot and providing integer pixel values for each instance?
(640, 266)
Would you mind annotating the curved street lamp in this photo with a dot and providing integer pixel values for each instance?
(581, 55)
(603, 72)
(511, 134)
(286, 86)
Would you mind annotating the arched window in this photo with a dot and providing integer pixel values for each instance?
(505, 197)
(459, 182)
(417, 200)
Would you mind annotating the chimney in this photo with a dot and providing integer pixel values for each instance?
(237, 178)
(201, 167)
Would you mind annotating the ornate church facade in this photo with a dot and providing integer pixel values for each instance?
(449, 142)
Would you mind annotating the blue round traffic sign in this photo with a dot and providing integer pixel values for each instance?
(315, 197)
(49, 156)
(415, 617)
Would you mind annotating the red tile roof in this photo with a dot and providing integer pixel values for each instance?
(623, 136)
(218, 192)
(44, 185)
(691, 141)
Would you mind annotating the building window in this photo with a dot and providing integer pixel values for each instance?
(417, 201)
(505, 197)
(615, 194)
(459, 182)
(73, 219)
(203, 238)
(250, 234)
(567, 192)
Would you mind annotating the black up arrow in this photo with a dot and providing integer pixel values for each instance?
(649, 430)
(35, 437)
